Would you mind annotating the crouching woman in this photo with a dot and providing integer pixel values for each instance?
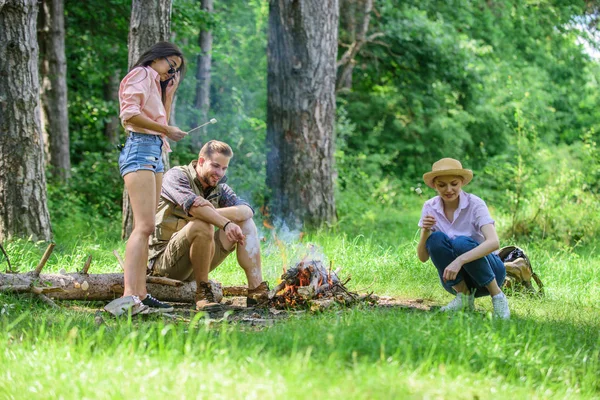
(458, 234)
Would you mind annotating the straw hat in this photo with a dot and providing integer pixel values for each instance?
(446, 167)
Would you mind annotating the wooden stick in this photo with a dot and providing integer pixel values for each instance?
(7, 259)
(39, 292)
(86, 267)
(45, 258)
(47, 300)
(151, 279)
(119, 259)
(235, 291)
(161, 280)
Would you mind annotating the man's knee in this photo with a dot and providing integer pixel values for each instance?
(248, 226)
(198, 229)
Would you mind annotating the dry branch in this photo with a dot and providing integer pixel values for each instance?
(9, 269)
(86, 267)
(45, 258)
(119, 259)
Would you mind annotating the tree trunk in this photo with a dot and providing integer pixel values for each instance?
(302, 51)
(150, 23)
(356, 16)
(111, 93)
(202, 101)
(23, 208)
(53, 73)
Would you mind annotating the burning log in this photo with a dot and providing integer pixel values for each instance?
(310, 284)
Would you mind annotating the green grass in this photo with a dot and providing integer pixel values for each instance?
(549, 349)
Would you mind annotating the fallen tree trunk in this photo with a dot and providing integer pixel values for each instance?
(78, 286)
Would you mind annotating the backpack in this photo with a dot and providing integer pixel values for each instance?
(519, 272)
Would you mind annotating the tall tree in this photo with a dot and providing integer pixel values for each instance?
(302, 52)
(150, 23)
(23, 208)
(202, 100)
(355, 19)
(53, 74)
(112, 127)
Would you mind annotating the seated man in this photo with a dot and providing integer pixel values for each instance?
(194, 200)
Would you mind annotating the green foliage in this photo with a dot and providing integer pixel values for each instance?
(546, 188)
(238, 87)
(96, 49)
(443, 79)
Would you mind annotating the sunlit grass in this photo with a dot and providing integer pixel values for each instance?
(361, 353)
(549, 349)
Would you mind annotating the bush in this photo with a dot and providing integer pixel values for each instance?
(547, 194)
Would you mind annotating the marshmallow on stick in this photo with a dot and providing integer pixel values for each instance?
(212, 121)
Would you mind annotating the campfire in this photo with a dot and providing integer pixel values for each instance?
(310, 285)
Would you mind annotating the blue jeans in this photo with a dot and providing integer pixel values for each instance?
(142, 151)
(476, 274)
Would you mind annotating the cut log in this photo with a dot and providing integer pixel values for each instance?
(77, 286)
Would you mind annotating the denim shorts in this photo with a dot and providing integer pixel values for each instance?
(142, 151)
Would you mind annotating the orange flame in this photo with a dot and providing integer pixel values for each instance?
(267, 225)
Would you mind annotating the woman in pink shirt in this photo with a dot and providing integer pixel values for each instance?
(458, 234)
(145, 96)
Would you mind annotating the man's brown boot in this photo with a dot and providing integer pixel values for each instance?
(258, 296)
(205, 298)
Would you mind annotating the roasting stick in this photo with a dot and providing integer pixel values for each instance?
(212, 121)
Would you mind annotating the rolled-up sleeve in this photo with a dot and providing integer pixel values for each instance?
(133, 91)
(176, 188)
(230, 199)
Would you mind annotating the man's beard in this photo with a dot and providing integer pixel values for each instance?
(206, 180)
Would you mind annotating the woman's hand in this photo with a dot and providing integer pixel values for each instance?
(452, 270)
(202, 202)
(172, 85)
(428, 222)
(174, 133)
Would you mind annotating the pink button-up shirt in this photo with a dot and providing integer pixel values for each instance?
(469, 217)
(140, 93)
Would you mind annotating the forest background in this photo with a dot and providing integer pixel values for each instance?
(511, 88)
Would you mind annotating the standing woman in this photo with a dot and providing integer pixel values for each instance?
(145, 96)
(458, 234)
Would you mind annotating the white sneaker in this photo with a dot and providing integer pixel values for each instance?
(124, 305)
(500, 304)
(462, 302)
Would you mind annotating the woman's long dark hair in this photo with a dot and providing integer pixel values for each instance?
(161, 50)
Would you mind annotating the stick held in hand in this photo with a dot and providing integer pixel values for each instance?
(212, 121)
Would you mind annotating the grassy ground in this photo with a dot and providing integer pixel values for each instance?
(549, 349)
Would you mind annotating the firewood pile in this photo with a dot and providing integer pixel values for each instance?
(310, 285)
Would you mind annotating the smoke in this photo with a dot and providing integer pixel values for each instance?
(253, 247)
(286, 246)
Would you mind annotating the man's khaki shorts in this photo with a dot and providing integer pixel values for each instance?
(175, 262)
